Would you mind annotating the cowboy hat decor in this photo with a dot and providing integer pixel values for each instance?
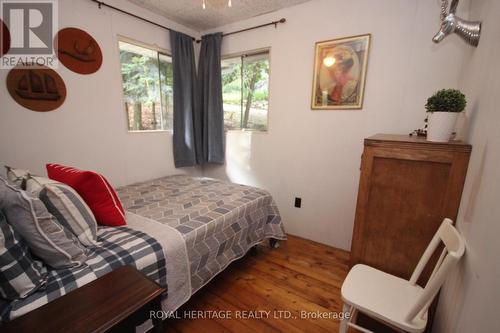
(78, 51)
(36, 88)
(5, 44)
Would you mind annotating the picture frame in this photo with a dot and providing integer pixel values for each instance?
(340, 67)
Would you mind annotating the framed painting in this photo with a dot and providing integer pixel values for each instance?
(340, 73)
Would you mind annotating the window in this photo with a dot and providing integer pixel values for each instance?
(147, 88)
(245, 90)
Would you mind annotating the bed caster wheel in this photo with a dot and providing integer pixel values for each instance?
(274, 243)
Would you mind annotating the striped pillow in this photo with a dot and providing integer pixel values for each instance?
(20, 275)
(67, 206)
(46, 238)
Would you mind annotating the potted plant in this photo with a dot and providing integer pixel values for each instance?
(444, 107)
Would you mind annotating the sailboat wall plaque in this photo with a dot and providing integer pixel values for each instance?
(78, 51)
(39, 89)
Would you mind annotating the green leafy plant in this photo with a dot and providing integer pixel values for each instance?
(446, 100)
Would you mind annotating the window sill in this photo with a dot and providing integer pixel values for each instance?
(225, 131)
(150, 131)
(247, 130)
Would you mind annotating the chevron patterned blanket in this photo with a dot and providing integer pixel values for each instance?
(219, 221)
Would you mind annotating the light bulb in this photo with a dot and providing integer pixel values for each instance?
(229, 4)
(329, 61)
(204, 5)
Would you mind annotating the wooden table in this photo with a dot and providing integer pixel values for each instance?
(116, 302)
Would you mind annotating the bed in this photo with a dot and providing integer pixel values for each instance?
(181, 232)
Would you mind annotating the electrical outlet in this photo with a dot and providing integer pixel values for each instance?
(298, 202)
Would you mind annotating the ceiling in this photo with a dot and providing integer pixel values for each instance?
(191, 14)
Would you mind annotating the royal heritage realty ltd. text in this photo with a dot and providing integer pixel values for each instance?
(250, 314)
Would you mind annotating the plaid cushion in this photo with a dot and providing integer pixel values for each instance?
(67, 206)
(119, 246)
(20, 275)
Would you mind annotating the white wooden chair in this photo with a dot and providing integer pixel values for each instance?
(397, 302)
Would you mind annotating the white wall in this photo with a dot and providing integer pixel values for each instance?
(316, 154)
(470, 300)
(89, 131)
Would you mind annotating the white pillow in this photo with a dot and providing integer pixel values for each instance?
(46, 238)
(3, 171)
(16, 176)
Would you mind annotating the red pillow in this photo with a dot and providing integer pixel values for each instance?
(95, 190)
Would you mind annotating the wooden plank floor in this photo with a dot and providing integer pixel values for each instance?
(299, 276)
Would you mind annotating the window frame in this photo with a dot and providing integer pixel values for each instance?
(152, 47)
(250, 53)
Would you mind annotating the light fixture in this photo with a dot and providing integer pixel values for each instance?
(204, 5)
(329, 61)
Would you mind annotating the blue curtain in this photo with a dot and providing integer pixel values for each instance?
(184, 70)
(198, 112)
(210, 149)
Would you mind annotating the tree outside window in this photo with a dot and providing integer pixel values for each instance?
(245, 80)
(147, 88)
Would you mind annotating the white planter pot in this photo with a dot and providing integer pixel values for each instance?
(441, 126)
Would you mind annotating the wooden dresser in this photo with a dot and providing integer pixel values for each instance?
(407, 186)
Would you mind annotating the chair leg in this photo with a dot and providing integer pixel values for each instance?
(353, 315)
(345, 320)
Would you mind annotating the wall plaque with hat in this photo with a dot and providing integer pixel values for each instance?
(37, 88)
(78, 51)
(5, 44)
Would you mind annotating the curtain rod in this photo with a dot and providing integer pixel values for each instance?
(100, 4)
(275, 23)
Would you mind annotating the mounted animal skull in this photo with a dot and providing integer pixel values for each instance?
(470, 31)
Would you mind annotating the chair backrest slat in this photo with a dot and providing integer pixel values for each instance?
(443, 255)
(452, 252)
(429, 251)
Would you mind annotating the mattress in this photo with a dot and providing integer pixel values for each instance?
(219, 221)
(181, 232)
